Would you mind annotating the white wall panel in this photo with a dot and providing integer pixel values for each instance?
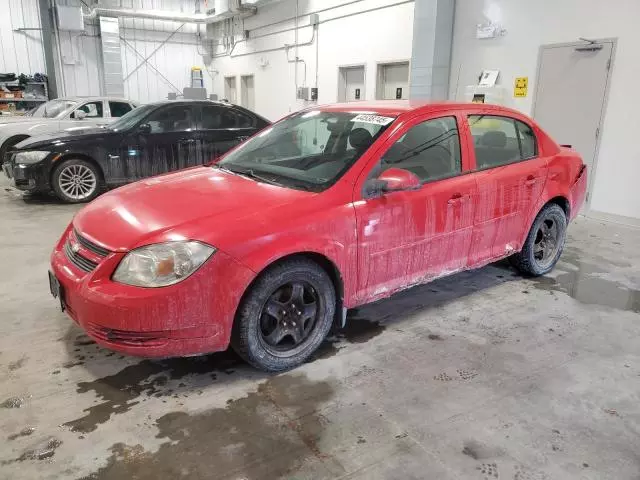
(20, 52)
(369, 32)
(531, 24)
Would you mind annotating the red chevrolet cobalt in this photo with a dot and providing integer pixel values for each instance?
(330, 208)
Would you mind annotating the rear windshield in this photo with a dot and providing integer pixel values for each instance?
(310, 150)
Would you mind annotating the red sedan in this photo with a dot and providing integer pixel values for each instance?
(328, 209)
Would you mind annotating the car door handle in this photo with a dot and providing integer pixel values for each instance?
(457, 198)
(531, 180)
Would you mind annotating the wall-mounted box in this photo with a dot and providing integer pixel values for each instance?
(69, 18)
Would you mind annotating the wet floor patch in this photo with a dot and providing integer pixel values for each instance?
(267, 434)
(586, 284)
(121, 391)
(356, 330)
(12, 402)
(42, 451)
(25, 432)
(18, 364)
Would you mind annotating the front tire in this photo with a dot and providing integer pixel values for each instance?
(285, 316)
(76, 181)
(545, 242)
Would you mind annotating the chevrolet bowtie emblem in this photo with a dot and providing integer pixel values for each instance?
(75, 248)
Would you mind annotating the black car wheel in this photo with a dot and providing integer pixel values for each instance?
(285, 316)
(545, 242)
(76, 181)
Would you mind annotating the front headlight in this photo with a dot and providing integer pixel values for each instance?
(28, 158)
(162, 264)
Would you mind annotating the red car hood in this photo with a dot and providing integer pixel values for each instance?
(198, 204)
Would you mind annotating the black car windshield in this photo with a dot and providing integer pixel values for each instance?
(131, 119)
(310, 150)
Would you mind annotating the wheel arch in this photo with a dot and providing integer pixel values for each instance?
(323, 261)
(9, 142)
(562, 202)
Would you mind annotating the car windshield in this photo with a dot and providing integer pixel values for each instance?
(131, 119)
(53, 108)
(309, 151)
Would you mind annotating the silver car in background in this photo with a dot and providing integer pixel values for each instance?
(61, 114)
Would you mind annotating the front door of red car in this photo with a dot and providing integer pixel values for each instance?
(409, 237)
(511, 177)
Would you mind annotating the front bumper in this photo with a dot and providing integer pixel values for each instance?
(29, 178)
(192, 317)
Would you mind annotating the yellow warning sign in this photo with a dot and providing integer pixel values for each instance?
(520, 87)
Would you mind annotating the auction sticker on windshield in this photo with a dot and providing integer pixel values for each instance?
(375, 119)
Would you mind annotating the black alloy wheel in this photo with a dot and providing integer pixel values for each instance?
(289, 315)
(544, 243)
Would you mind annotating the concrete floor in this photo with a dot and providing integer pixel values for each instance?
(483, 375)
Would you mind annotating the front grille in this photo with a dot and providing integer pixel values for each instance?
(78, 260)
(97, 249)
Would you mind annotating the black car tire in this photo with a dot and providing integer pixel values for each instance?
(70, 168)
(9, 144)
(248, 336)
(528, 260)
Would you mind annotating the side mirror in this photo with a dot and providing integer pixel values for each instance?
(144, 128)
(393, 180)
(79, 115)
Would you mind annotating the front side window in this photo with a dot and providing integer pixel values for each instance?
(178, 118)
(118, 109)
(430, 149)
(500, 140)
(92, 109)
(132, 118)
(310, 150)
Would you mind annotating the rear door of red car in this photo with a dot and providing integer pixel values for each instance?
(411, 236)
(510, 173)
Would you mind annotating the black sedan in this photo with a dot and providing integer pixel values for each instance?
(150, 140)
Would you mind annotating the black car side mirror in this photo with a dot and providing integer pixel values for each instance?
(144, 128)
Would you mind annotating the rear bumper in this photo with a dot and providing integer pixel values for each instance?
(578, 192)
(192, 317)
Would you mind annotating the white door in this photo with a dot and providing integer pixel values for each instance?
(351, 84)
(393, 81)
(247, 93)
(230, 90)
(570, 95)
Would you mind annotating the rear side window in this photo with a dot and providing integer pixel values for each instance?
(501, 140)
(118, 109)
(216, 117)
(430, 149)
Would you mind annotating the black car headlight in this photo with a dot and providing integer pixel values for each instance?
(162, 264)
(29, 158)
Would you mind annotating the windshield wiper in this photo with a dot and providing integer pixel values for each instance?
(251, 174)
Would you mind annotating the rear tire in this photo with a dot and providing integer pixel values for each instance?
(76, 181)
(544, 244)
(285, 316)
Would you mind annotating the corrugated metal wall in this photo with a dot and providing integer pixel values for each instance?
(168, 64)
(168, 67)
(20, 52)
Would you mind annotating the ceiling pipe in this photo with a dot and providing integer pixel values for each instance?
(235, 9)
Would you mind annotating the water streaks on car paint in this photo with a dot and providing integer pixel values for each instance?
(270, 433)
